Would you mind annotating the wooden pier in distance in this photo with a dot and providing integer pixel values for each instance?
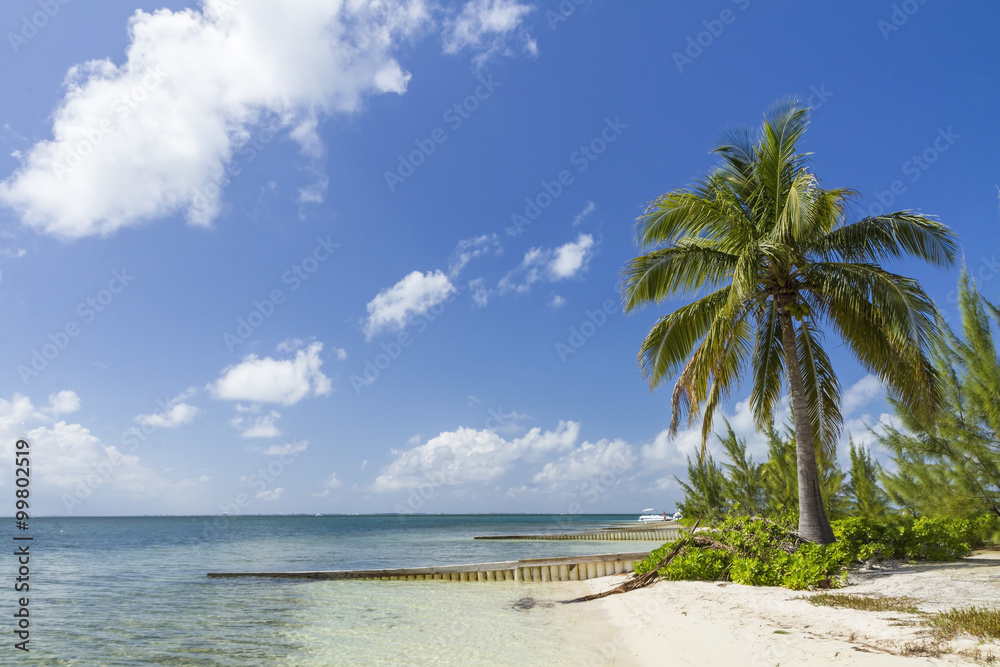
(566, 568)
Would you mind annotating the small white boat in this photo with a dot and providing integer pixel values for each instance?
(650, 515)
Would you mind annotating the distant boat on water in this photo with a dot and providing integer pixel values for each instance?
(650, 515)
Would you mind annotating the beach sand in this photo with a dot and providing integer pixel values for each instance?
(711, 623)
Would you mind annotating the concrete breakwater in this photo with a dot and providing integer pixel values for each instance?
(663, 532)
(566, 568)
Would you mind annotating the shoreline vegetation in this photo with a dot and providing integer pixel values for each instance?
(770, 260)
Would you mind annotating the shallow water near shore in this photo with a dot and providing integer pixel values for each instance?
(133, 590)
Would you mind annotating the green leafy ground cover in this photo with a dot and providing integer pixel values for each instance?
(762, 552)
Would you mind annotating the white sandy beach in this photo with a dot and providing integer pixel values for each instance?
(704, 623)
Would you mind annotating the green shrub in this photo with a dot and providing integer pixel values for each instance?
(811, 564)
(759, 572)
(760, 552)
(655, 556)
(698, 565)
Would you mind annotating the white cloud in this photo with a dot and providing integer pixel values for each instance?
(557, 301)
(290, 345)
(177, 415)
(69, 463)
(63, 402)
(469, 249)
(288, 449)
(552, 264)
(204, 478)
(864, 431)
(480, 293)
(486, 25)
(152, 136)
(468, 455)
(175, 412)
(666, 451)
(314, 193)
(587, 210)
(587, 461)
(261, 426)
(330, 483)
(571, 258)
(411, 297)
(270, 380)
(860, 393)
(271, 494)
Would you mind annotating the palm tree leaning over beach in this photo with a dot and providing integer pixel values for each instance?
(779, 261)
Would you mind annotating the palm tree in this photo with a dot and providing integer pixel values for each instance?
(778, 261)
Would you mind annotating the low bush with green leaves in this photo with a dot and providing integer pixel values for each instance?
(763, 552)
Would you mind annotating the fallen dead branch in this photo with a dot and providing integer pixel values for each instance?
(648, 578)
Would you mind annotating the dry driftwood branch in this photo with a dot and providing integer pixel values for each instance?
(643, 580)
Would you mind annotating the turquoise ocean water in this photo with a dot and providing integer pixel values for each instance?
(133, 591)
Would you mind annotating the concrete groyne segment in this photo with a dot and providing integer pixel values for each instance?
(566, 568)
(652, 533)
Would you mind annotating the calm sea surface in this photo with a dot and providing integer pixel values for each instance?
(133, 591)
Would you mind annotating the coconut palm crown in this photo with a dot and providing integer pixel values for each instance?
(769, 259)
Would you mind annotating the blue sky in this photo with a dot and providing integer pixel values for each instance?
(267, 257)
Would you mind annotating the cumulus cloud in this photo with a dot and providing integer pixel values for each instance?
(587, 461)
(571, 258)
(175, 412)
(470, 455)
(63, 402)
(69, 463)
(487, 26)
(261, 426)
(270, 494)
(666, 451)
(551, 264)
(394, 307)
(177, 415)
(154, 135)
(267, 380)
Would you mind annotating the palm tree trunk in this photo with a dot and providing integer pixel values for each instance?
(813, 524)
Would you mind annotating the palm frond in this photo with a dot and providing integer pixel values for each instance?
(889, 236)
(672, 339)
(768, 365)
(689, 265)
(821, 385)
